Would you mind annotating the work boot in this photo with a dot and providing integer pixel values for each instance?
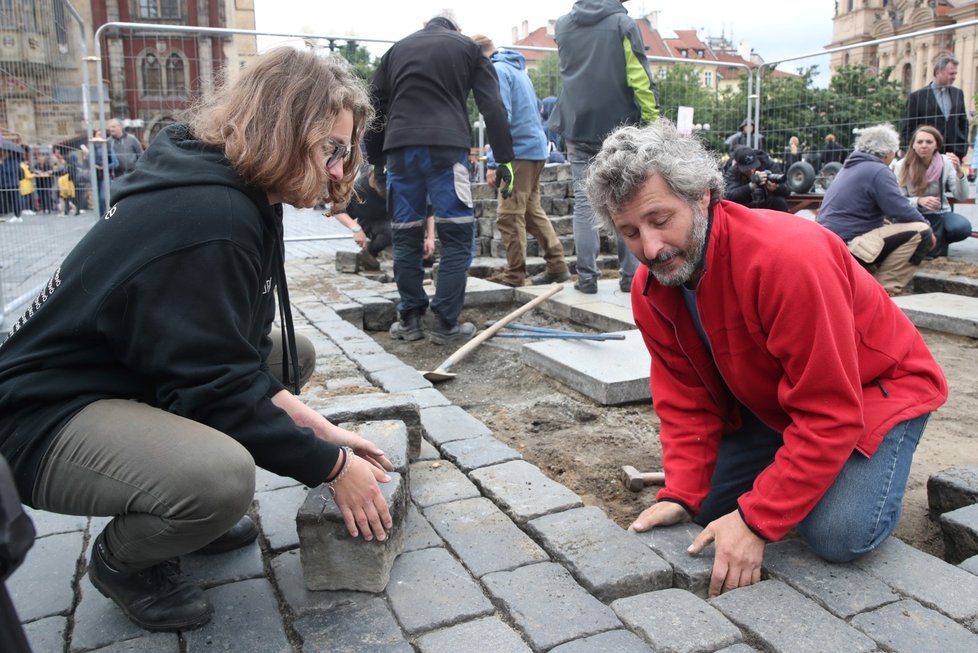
(239, 535)
(545, 278)
(586, 286)
(153, 598)
(502, 279)
(443, 334)
(407, 328)
(625, 284)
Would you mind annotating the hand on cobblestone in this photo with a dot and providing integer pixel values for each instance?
(664, 513)
(360, 501)
(739, 552)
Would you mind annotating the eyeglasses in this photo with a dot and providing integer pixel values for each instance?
(340, 152)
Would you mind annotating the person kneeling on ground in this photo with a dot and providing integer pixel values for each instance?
(865, 208)
(748, 180)
(140, 385)
(791, 390)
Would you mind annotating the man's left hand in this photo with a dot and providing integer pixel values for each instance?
(739, 552)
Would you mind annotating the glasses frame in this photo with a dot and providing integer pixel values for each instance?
(340, 152)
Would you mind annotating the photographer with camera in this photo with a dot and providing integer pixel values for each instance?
(754, 180)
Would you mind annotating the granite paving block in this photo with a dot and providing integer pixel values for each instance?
(377, 362)
(229, 567)
(246, 618)
(607, 561)
(942, 312)
(366, 626)
(48, 523)
(266, 480)
(451, 595)
(276, 511)
(478, 452)
(488, 634)
(522, 490)
(960, 528)
(392, 438)
(42, 585)
(98, 621)
(347, 262)
(952, 488)
(446, 423)
(482, 537)
(428, 451)
(46, 634)
(920, 576)
(287, 571)
(399, 379)
(481, 292)
(689, 572)
(619, 641)
(378, 406)
(970, 565)
(332, 559)
(740, 648)
(350, 312)
(428, 397)
(611, 372)
(843, 590)
(148, 643)
(439, 481)
(677, 621)
(378, 313)
(783, 620)
(419, 534)
(548, 606)
(908, 627)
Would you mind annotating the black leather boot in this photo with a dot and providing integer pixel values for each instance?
(239, 535)
(153, 598)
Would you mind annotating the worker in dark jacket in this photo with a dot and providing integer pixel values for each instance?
(419, 92)
(754, 180)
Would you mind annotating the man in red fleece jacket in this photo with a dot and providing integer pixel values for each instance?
(792, 391)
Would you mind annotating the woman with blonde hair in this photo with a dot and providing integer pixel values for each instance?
(926, 177)
(142, 383)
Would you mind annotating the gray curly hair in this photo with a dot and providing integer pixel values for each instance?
(630, 156)
(878, 140)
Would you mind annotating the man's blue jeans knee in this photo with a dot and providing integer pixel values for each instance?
(409, 270)
(863, 505)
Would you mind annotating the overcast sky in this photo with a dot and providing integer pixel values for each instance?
(774, 28)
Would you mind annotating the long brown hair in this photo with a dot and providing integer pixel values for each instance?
(277, 114)
(914, 172)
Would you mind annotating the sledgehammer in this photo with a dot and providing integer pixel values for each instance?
(635, 480)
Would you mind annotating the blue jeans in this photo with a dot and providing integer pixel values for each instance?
(948, 228)
(857, 513)
(587, 238)
(416, 175)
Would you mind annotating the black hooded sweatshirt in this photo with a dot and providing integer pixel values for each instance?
(167, 300)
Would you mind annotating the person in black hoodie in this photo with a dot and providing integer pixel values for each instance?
(138, 384)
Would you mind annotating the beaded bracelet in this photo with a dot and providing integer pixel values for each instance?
(347, 464)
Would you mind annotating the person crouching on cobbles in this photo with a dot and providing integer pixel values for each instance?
(142, 383)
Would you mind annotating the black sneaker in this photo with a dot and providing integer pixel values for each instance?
(239, 535)
(442, 334)
(407, 328)
(545, 278)
(586, 286)
(154, 598)
(625, 284)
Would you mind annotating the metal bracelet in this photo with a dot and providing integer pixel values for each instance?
(347, 464)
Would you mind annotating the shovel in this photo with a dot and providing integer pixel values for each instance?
(441, 372)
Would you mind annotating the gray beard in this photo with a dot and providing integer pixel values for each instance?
(691, 255)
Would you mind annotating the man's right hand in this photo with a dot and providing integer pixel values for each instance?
(663, 513)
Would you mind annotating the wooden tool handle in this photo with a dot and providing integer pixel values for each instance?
(464, 350)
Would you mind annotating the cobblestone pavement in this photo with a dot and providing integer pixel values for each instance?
(495, 556)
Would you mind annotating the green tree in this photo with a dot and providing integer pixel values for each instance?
(359, 57)
(546, 76)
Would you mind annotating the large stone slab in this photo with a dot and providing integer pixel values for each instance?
(612, 372)
(332, 559)
(942, 312)
(438, 481)
(523, 491)
(367, 407)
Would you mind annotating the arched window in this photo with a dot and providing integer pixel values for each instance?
(907, 80)
(176, 76)
(152, 76)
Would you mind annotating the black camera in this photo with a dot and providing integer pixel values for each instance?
(773, 177)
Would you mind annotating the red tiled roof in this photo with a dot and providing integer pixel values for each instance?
(538, 38)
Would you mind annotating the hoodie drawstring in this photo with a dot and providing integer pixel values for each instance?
(290, 354)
